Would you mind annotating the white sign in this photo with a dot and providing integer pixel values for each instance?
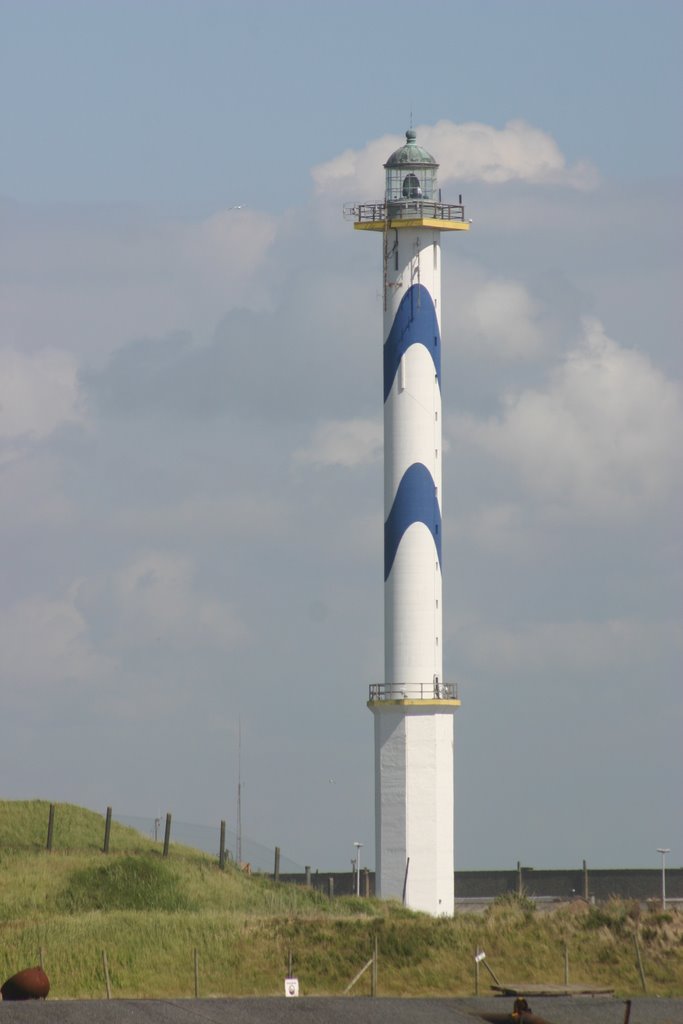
(291, 986)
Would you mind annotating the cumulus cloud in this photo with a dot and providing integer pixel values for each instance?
(579, 647)
(38, 393)
(95, 279)
(228, 247)
(155, 597)
(45, 644)
(600, 439)
(499, 317)
(348, 443)
(466, 152)
(240, 516)
(32, 491)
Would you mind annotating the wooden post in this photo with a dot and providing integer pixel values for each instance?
(289, 964)
(307, 869)
(566, 964)
(519, 879)
(491, 972)
(476, 971)
(107, 831)
(276, 866)
(405, 882)
(366, 882)
(330, 887)
(640, 962)
(167, 834)
(373, 976)
(196, 973)
(41, 958)
(105, 965)
(50, 828)
(585, 881)
(221, 851)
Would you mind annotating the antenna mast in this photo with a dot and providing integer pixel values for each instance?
(239, 792)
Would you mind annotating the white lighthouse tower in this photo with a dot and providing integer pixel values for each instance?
(414, 707)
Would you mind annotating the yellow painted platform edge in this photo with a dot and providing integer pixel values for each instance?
(417, 222)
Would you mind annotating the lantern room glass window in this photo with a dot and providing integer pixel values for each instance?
(406, 183)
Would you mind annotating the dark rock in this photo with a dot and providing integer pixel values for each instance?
(32, 983)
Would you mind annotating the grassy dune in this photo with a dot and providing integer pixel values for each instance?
(149, 914)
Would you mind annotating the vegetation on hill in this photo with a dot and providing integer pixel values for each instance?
(149, 914)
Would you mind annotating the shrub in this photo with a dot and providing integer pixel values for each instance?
(125, 883)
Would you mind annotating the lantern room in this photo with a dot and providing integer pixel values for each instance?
(411, 174)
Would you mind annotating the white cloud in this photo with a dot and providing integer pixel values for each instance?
(466, 152)
(349, 443)
(94, 281)
(601, 439)
(155, 598)
(578, 647)
(227, 248)
(517, 152)
(500, 527)
(49, 643)
(241, 516)
(499, 317)
(32, 491)
(38, 393)
(45, 643)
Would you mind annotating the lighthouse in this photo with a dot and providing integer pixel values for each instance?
(414, 707)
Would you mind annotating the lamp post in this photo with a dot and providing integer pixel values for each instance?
(358, 849)
(663, 850)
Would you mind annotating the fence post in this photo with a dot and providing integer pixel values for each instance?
(221, 852)
(196, 973)
(107, 831)
(640, 962)
(476, 970)
(105, 965)
(276, 866)
(307, 869)
(330, 886)
(167, 834)
(566, 964)
(366, 882)
(585, 881)
(405, 882)
(41, 958)
(50, 828)
(519, 878)
(373, 977)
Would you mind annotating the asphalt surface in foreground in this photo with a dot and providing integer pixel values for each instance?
(329, 1010)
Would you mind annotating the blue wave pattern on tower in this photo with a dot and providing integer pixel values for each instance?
(415, 323)
(415, 502)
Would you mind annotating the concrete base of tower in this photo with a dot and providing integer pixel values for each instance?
(414, 804)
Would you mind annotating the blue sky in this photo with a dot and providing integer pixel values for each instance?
(190, 413)
(217, 102)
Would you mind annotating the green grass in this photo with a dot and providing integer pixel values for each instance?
(23, 826)
(150, 913)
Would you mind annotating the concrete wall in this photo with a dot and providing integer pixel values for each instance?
(628, 883)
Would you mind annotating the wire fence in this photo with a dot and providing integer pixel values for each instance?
(207, 838)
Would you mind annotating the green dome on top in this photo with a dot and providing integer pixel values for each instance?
(411, 155)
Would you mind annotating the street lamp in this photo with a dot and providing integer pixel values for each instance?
(358, 846)
(663, 850)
